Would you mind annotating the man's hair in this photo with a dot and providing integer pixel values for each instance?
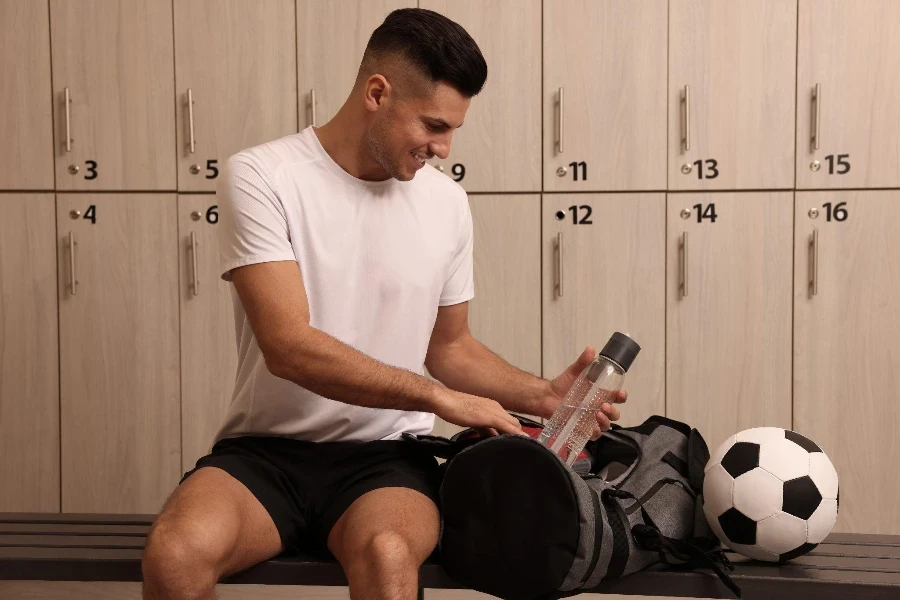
(435, 46)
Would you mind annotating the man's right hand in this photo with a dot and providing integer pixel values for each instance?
(480, 413)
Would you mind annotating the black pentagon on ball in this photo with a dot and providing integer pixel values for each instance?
(738, 527)
(807, 547)
(801, 497)
(804, 442)
(740, 458)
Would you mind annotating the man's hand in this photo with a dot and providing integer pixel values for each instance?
(561, 385)
(467, 410)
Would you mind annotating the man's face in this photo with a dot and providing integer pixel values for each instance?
(413, 129)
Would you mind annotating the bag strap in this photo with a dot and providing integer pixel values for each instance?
(688, 554)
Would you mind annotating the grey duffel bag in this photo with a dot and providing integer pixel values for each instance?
(518, 523)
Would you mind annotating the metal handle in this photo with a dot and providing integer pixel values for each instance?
(68, 101)
(686, 120)
(560, 122)
(312, 104)
(72, 244)
(817, 99)
(814, 251)
(684, 263)
(191, 118)
(195, 272)
(559, 263)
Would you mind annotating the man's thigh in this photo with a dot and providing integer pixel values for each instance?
(404, 512)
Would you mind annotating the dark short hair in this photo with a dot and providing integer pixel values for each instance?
(437, 46)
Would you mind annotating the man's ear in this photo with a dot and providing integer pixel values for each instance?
(376, 90)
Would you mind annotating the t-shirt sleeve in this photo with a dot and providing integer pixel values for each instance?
(252, 224)
(460, 283)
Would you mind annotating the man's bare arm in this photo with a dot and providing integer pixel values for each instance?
(274, 298)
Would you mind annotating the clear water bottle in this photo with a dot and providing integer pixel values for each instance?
(573, 422)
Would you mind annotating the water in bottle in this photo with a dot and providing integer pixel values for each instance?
(571, 425)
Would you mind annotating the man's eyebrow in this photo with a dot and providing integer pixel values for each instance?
(442, 122)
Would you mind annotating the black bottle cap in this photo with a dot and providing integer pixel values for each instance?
(621, 349)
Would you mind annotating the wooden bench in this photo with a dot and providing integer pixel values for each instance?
(91, 547)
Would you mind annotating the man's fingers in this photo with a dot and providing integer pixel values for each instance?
(509, 424)
(603, 421)
(611, 411)
(620, 396)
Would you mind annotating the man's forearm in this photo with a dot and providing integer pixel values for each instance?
(469, 366)
(326, 366)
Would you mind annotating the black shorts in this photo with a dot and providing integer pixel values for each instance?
(307, 486)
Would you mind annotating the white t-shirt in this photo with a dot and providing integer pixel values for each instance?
(377, 259)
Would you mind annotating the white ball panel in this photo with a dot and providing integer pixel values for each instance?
(784, 459)
(717, 491)
(820, 524)
(823, 474)
(755, 552)
(716, 457)
(761, 435)
(758, 494)
(781, 533)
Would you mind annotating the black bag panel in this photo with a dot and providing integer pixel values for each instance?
(510, 518)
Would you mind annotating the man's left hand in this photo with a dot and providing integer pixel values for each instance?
(560, 386)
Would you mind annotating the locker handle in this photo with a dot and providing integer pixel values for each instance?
(190, 102)
(559, 263)
(68, 102)
(560, 125)
(686, 119)
(312, 105)
(684, 263)
(72, 282)
(817, 101)
(195, 271)
(814, 255)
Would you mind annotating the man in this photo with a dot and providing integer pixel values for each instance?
(351, 264)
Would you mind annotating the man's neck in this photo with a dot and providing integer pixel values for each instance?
(343, 138)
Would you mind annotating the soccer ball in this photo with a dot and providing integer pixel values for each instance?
(770, 494)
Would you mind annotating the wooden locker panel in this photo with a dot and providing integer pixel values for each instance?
(613, 276)
(728, 356)
(117, 61)
(852, 51)
(29, 355)
(26, 120)
(208, 347)
(120, 404)
(738, 61)
(331, 38)
(846, 386)
(499, 147)
(609, 58)
(505, 314)
(236, 59)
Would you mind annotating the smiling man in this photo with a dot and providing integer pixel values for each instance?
(351, 264)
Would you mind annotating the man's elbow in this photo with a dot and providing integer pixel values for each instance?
(284, 356)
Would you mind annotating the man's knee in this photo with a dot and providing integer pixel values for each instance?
(177, 563)
(387, 553)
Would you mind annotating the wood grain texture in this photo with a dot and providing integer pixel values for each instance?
(120, 404)
(116, 58)
(238, 59)
(208, 349)
(610, 58)
(846, 383)
(851, 49)
(26, 119)
(29, 347)
(331, 37)
(613, 280)
(739, 60)
(728, 357)
(500, 142)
